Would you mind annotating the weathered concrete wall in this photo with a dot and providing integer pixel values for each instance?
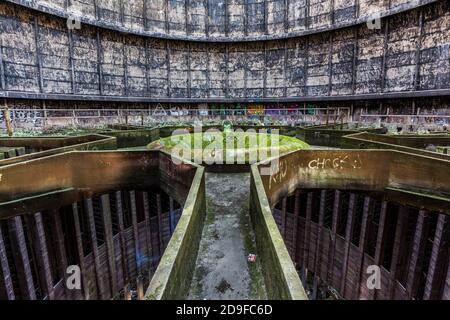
(281, 279)
(39, 56)
(175, 270)
(223, 20)
(334, 235)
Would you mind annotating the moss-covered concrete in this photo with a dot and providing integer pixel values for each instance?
(281, 278)
(175, 270)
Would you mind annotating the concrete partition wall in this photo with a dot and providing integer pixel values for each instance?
(173, 277)
(281, 278)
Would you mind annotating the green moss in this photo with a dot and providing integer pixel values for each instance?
(232, 145)
(257, 284)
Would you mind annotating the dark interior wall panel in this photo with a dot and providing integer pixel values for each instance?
(216, 17)
(255, 14)
(158, 68)
(176, 16)
(297, 13)
(84, 7)
(237, 65)
(254, 68)
(318, 69)
(435, 48)
(112, 67)
(213, 19)
(276, 16)
(156, 16)
(54, 47)
(343, 49)
(179, 60)
(85, 60)
(236, 18)
(133, 13)
(344, 10)
(296, 67)
(369, 60)
(218, 83)
(38, 53)
(109, 10)
(136, 66)
(20, 58)
(402, 42)
(319, 13)
(197, 17)
(199, 70)
(275, 69)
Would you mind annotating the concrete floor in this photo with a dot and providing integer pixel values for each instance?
(222, 270)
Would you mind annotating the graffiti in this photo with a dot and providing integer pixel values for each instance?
(340, 162)
(281, 172)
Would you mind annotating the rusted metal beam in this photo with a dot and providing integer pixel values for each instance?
(93, 234)
(307, 236)
(160, 224)
(137, 245)
(295, 231)
(5, 272)
(367, 215)
(80, 250)
(319, 243)
(400, 234)
(416, 257)
(41, 256)
(439, 247)
(333, 231)
(21, 258)
(283, 217)
(348, 239)
(148, 232)
(61, 248)
(123, 245)
(38, 54)
(107, 224)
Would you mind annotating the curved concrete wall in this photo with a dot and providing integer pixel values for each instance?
(222, 20)
(41, 58)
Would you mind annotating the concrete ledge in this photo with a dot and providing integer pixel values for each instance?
(281, 278)
(175, 270)
(57, 145)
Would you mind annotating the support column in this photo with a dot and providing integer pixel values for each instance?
(137, 247)
(348, 240)
(78, 235)
(148, 235)
(160, 225)
(437, 253)
(416, 258)
(336, 209)
(95, 253)
(283, 217)
(61, 249)
(306, 237)
(295, 231)
(43, 257)
(400, 234)
(319, 246)
(22, 262)
(380, 242)
(5, 272)
(106, 215)
(123, 245)
(362, 241)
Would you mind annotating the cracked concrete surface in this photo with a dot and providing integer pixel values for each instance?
(222, 270)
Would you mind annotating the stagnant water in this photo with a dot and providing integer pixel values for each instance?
(222, 269)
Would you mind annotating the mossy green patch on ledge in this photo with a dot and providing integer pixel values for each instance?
(229, 145)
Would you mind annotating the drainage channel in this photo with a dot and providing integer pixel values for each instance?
(222, 270)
